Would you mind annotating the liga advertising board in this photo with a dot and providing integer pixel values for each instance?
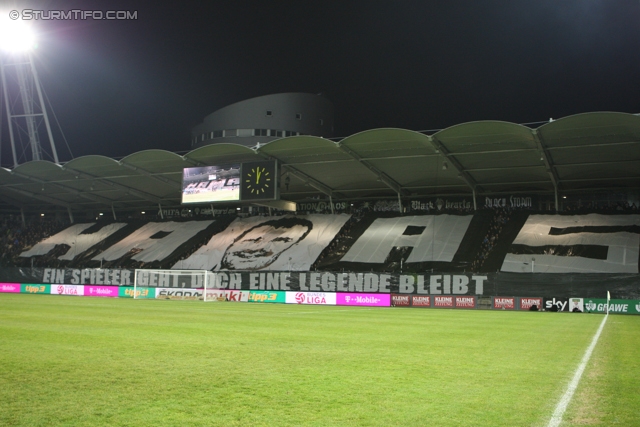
(76, 290)
(371, 300)
(316, 298)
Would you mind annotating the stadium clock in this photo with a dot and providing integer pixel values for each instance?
(258, 181)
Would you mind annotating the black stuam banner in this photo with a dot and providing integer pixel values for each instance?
(622, 286)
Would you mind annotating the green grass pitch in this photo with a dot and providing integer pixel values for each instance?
(76, 361)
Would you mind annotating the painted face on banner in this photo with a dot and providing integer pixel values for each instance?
(261, 245)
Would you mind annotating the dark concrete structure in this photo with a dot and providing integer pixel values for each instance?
(263, 119)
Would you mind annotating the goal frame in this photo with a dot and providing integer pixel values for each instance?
(206, 274)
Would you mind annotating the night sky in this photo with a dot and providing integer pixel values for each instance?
(118, 87)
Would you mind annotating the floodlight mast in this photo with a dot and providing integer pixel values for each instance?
(17, 61)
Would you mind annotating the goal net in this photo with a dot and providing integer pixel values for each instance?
(176, 284)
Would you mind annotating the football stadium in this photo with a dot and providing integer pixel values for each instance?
(484, 274)
(388, 278)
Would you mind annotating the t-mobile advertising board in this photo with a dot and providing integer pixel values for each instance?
(318, 298)
(101, 291)
(10, 287)
(376, 300)
(504, 303)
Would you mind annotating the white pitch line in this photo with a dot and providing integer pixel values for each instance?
(556, 418)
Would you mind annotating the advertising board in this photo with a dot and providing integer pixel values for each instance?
(373, 300)
(400, 300)
(504, 303)
(443, 301)
(617, 306)
(465, 302)
(209, 184)
(101, 291)
(525, 303)
(316, 298)
(27, 288)
(421, 301)
(179, 293)
(77, 290)
(10, 287)
(127, 292)
(267, 296)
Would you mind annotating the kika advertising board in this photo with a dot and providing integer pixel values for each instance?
(227, 295)
(373, 300)
(317, 298)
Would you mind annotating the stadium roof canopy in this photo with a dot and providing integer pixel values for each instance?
(588, 152)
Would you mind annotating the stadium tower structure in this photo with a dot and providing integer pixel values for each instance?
(256, 121)
(22, 93)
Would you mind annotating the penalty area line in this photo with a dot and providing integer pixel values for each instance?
(556, 418)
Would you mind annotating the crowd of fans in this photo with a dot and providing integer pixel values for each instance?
(499, 219)
(16, 237)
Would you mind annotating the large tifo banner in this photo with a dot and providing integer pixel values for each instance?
(289, 242)
(622, 286)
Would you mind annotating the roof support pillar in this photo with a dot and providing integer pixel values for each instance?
(330, 203)
(70, 214)
(475, 206)
(160, 208)
(555, 190)
(400, 203)
(24, 223)
(113, 211)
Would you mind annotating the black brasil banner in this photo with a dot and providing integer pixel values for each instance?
(626, 286)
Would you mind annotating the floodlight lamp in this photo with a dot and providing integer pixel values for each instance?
(15, 35)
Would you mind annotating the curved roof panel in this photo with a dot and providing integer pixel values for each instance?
(599, 150)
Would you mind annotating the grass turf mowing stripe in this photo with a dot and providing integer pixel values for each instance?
(556, 418)
(101, 361)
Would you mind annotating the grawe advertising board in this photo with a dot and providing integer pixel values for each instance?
(10, 287)
(504, 303)
(617, 306)
(77, 290)
(317, 298)
(373, 300)
(27, 288)
(443, 301)
(267, 296)
(101, 291)
(527, 303)
(127, 292)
